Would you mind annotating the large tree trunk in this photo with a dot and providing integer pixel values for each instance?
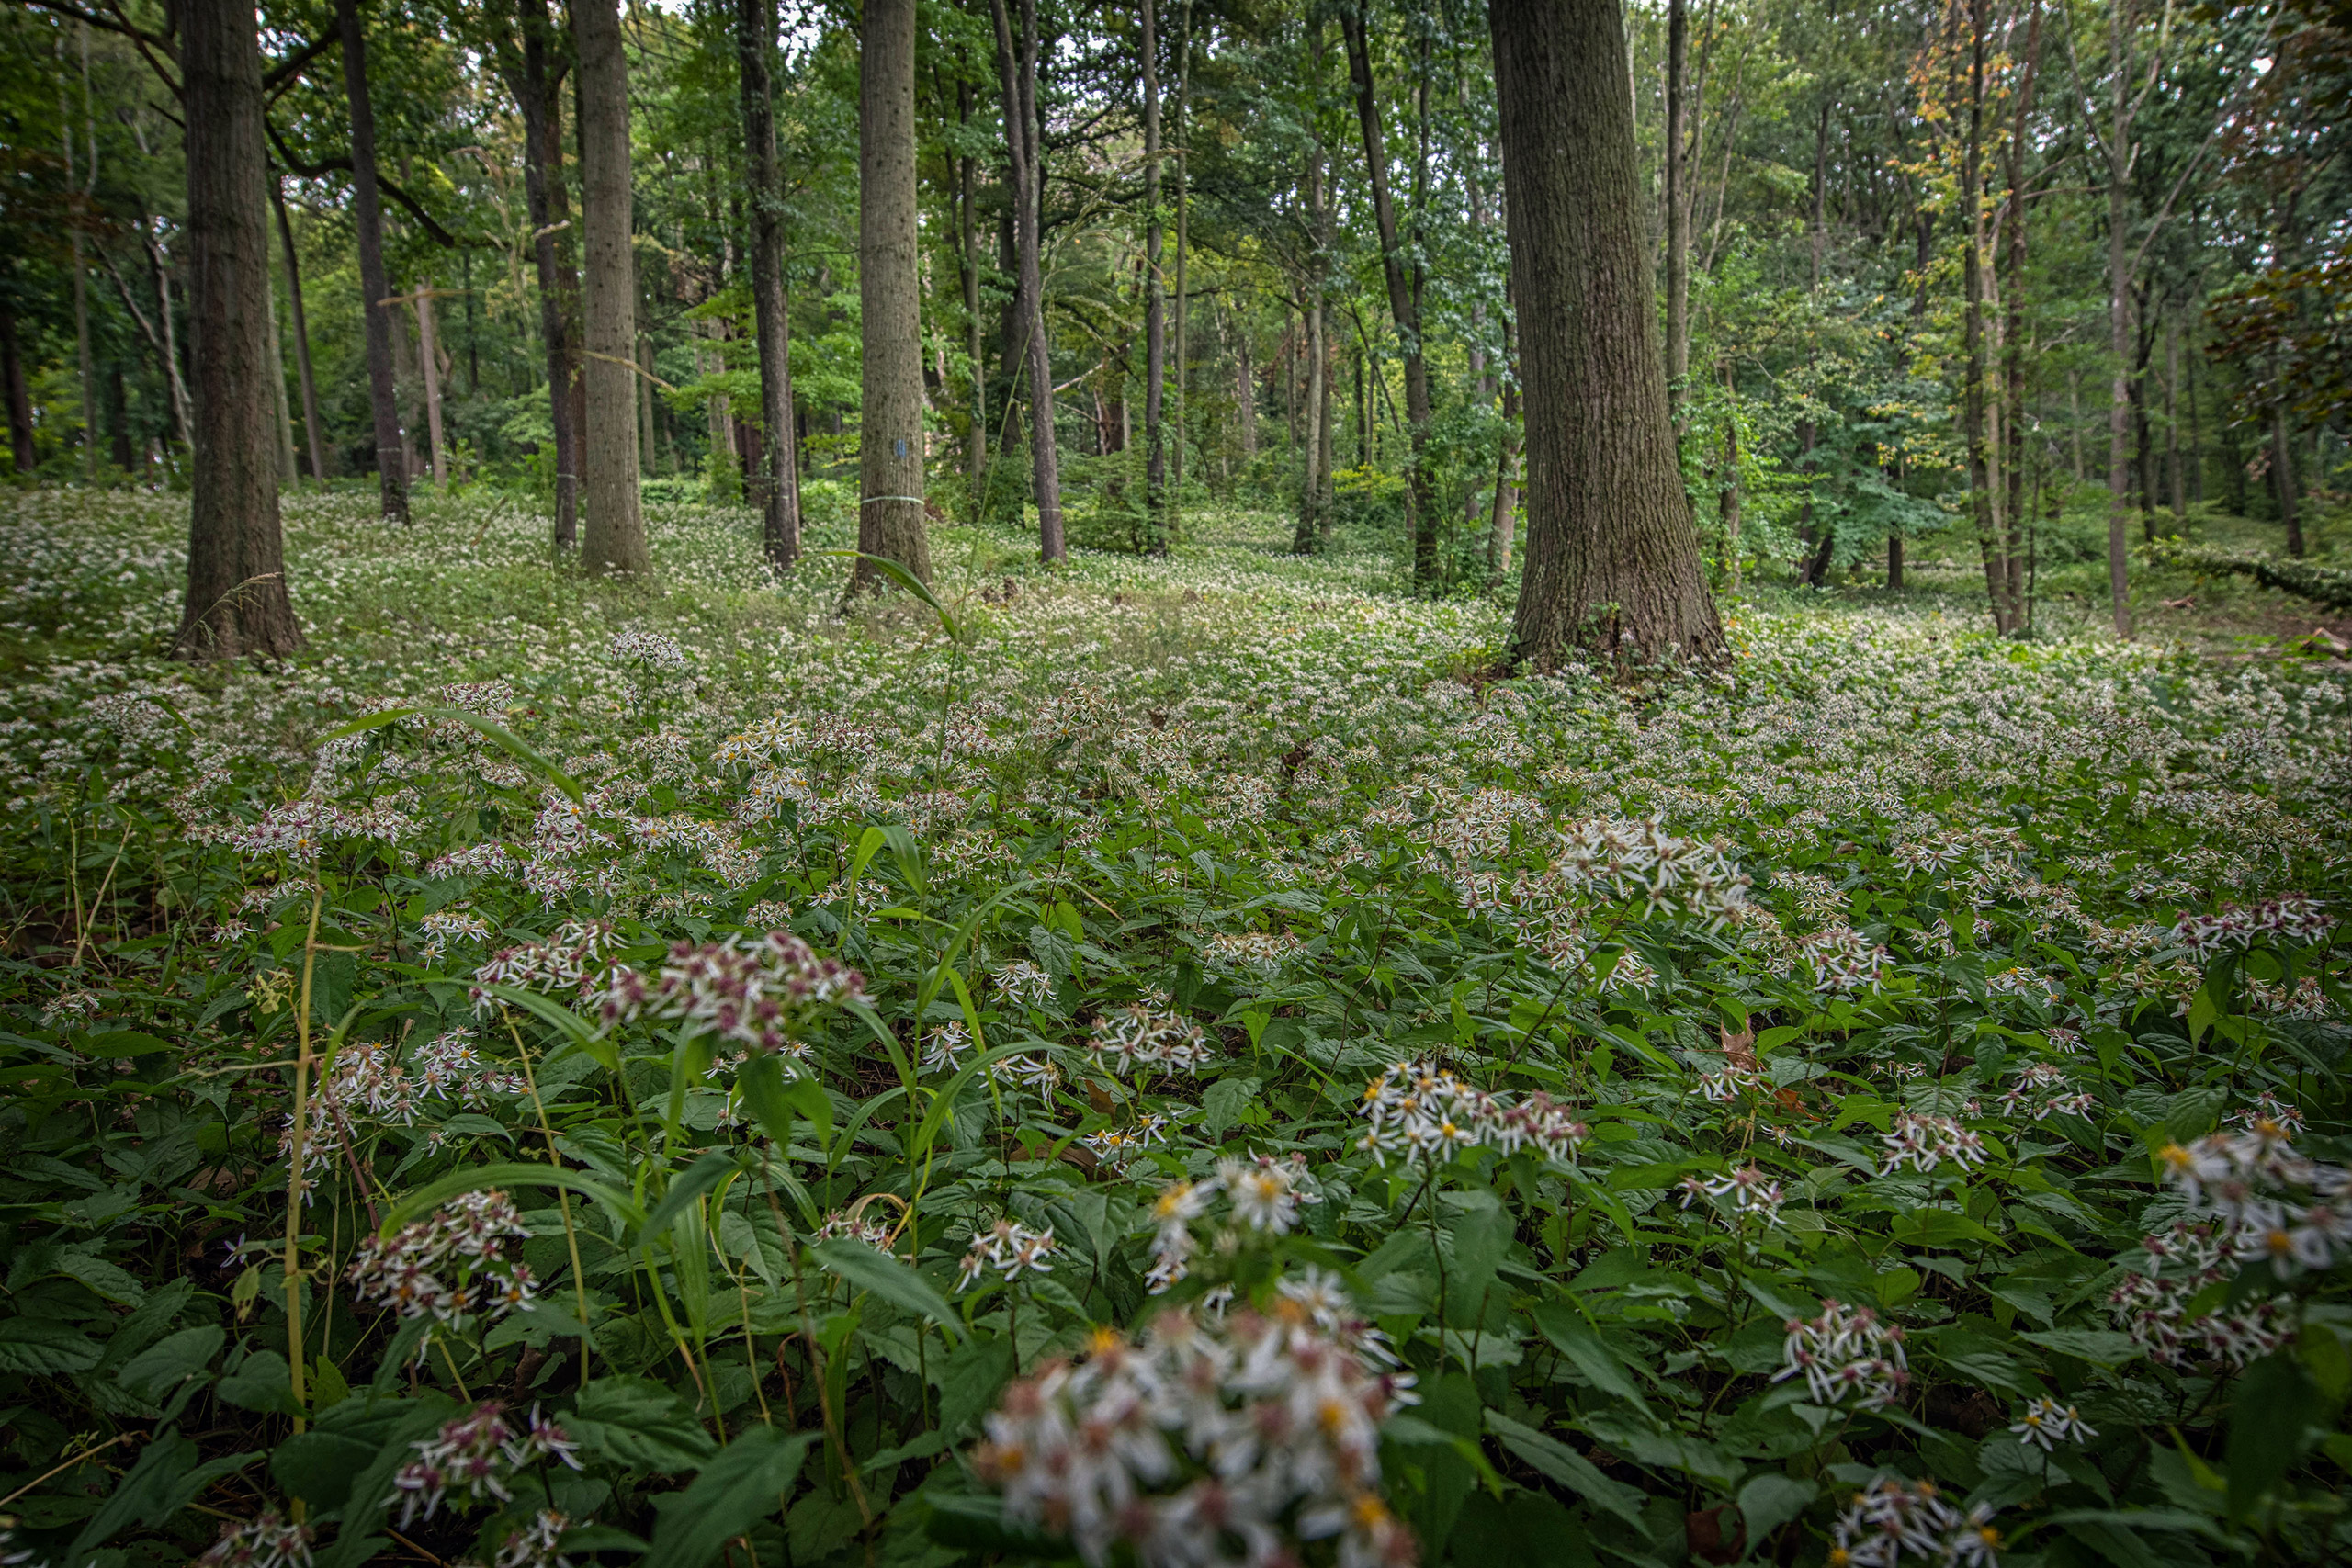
(1612, 554)
(377, 303)
(20, 404)
(1404, 298)
(615, 537)
(301, 338)
(539, 93)
(1155, 302)
(891, 469)
(780, 485)
(237, 602)
(1017, 73)
(1678, 199)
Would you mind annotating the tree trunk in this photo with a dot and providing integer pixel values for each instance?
(301, 338)
(428, 353)
(1155, 304)
(1498, 537)
(2014, 359)
(78, 210)
(1245, 395)
(1314, 404)
(376, 303)
(280, 414)
(1612, 553)
(1183, 210)
(2173, 476)
(237, 602)
(615, 534)
(539, 93)
(1975, 402)
(1727, 494)
(2196, 436)
(967, 251)
(890, 457)
(167, 346)
(1678, 199)
(2119, 320)
(1017, 75)
(1404, 303)
(780, 486)
(2282, 474)
(118, 418)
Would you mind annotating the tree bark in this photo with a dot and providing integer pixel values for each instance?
(2014, 359)
(2173, 475)
(428, 354)
(2282, 474)
(1315, 404)
(1612, 553)
(1155, 302)
(1975, 400)
(1404, 294)
(280, 414)
(1498, 536)
(78, 209)
(969, 252)
(2119, 284)
(890, 521)
(301, 338)
(615, 535)
(237, 602)
(538, 91)
(375, 304)
(1245, 394)
(1183, 210)
(20, 406)
(780, 493)
(1678, 199)
(1017, 77)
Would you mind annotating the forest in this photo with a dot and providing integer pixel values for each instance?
(1179, 784)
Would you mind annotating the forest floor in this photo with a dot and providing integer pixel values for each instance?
(1723, 1109)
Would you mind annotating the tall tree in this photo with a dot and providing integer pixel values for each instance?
(890, 521)
(301, 337)
(967, 256)
(1403, 274)
(1017, 74)
(615, 535)
(778, 488)
(377, 303)
(1315, 479)
(1678, 197)
(1613, 552)
(1155, 325)
(237, 602)
(535, 77)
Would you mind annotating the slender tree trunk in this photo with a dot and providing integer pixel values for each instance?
(967, 251)
(118, 418)
(1315, 405)
(2282, 474)
(1183, 211)
(78, 207)
(890, 521)
(780, 487)
(1678, 199)
(1404, 299)
(1506, 515)
(539, 93)
(2196, 436)
(168, 347)
(1612, 553)
(301, 338)
(1727, 495)
(428, 353)
(613, 538)
(1245, 395)
(2173, 476)
(237, 602)
(281, 414)
(1017, 73)
(1155, 303)
(2015, 360)
(2119, 323)
(1975, 412)
(375, 284)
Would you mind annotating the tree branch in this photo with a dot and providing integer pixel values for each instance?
(283, 74)
(342, 162)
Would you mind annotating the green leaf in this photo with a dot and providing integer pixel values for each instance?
(975, 1373)
(262, 1381)
(1223, 1102)
(2273, 1403)
(433, 1194)
(1767, 1502)
(42, 1346)
(371, 1491)
(702, 1176)
(888, 1277)
(1558, 1462)
(2202, 1013)
(170, 1362)
(1565, 1327)
(1481, 1238)
(2099, 1346)
(165, 1480)
(747, 1482)
(638, 1424)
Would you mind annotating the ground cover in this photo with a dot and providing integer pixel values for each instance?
(1168, 1061)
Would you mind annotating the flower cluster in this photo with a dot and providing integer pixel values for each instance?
(651, 651)
(1622, 860)
(468, 1238)
(2240, 1178)
(267, 1541)
(536, 1543)
(1142, 1038)
(751, 993)
(301, 828)
(1204, 1443)
(1011, 1248)
(1023, 982)
(1893, 1518)
(2293, 920)
(1117, 1148)
(2046, 1424)
(1421, 1110)
(2153, 1308)
(1263, 1195)
(1846, 1352)
(442, 927)
(473, 1458)
(1926, 1142)
(1843, 959)
(568, 961)
(2041, 1092)
(1750, 1191)
(1261, 953)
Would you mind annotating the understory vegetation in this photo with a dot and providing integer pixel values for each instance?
(1153, 1061)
